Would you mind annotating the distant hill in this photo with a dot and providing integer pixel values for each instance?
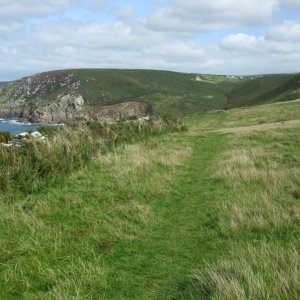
(95, 93)
(270, 88)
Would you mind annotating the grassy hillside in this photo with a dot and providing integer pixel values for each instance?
(265, 89)
(167, 92)
(212, 213)
(180, 93)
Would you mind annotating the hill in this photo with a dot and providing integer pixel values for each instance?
(104, 93)
(271, 88)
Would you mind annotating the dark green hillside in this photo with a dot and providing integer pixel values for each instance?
(180, 93)
(166, 91)
(270, 88)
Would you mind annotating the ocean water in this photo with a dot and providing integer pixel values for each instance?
(15, 127)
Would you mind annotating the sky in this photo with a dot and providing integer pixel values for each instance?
(197, 36)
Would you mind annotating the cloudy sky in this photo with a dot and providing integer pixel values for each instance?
(201, 36)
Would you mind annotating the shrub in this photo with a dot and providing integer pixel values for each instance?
(5, 137)
(48, 131)
(69, 148)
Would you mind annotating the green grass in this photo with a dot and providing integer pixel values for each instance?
(247, 116)
(259, 217)
(203, 214)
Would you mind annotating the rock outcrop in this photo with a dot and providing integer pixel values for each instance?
(56, 97)
(68, 108)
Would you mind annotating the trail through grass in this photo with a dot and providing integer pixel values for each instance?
(181, 236)
(128, 227)
(202, 214)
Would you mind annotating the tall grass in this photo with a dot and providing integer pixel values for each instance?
(260, 216)
(25, 168)
(260, 271)
(87, 238)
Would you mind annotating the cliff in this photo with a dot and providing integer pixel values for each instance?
(58, 97)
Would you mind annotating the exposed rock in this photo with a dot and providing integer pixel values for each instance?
(36, 134)
(56, 97)
(67, 108)
(123, 110)
(22, 135)
(71, 108)
(146, 118)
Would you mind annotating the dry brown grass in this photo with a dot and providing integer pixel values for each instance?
(247, 119)
(247, 129)
(259, 178)
(144, 161)
(261, 213)
(256, 272)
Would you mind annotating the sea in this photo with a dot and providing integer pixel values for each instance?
(15, 127)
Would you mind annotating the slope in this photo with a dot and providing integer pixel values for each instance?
(271, 88)
(85, 92)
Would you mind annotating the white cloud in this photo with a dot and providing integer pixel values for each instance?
(288, 31)
(113, 36)
(291, 4)
(282, 39)
(9, 27)
(15, 13)
(20, 9)
(73, 44)
(98, 4)
(169, 38)
(123, 12)
(206, 15)
(241, 42)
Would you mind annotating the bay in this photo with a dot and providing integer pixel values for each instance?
(14, 127)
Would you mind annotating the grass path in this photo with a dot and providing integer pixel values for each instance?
(194, 215)
(158, 265)
(92, 237)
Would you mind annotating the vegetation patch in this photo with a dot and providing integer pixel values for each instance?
(5, 137)
(70, 148)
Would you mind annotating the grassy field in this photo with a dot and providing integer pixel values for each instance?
(211, 213)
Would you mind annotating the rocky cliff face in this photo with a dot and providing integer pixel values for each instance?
(56, 97)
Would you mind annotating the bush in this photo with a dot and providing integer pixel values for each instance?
(5, 137)
(70, 147)
(48, 131)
